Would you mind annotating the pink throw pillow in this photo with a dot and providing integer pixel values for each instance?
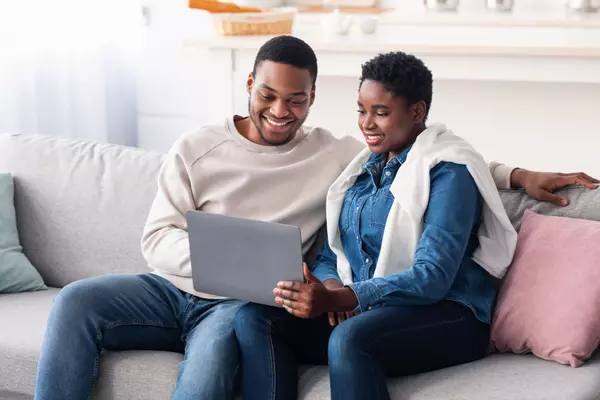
(549, 301)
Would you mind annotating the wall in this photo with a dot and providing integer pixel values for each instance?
(541, 126)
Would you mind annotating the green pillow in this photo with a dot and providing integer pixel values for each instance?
(16, 272)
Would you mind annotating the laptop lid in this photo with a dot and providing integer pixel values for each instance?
(242, 258)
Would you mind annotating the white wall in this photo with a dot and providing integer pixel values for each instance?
(540, 126)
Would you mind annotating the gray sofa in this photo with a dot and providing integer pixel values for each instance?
(81, 208)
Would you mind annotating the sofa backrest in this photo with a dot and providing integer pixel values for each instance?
(583, 204)
(81, 206)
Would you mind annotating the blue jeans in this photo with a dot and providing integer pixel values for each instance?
(361, 352)
(137, 312)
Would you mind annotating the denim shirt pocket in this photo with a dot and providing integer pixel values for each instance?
(346, 213)
(380, 208)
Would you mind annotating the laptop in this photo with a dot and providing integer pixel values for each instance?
(242, 258)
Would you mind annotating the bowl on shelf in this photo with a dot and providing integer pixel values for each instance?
(583, 6)
(442, 5)
(499, 5)
(269, 22)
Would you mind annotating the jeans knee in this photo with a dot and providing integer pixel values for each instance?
(74, 300)
(343, 345)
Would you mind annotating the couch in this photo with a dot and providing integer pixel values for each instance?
(81, 208)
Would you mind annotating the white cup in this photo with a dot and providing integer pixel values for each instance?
(368, 24)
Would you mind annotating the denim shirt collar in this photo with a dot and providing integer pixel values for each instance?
(377, 162)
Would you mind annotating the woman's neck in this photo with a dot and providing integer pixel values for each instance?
(414, 134)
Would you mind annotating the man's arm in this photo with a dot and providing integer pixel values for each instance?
(539, 185)
(165, 243)
(502, 174)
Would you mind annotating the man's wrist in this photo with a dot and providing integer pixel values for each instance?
(518, 178)
(344, 299)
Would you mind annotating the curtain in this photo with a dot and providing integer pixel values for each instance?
(68, 68)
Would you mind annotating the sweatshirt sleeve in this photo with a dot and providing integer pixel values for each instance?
(501, 174)
(165, 243)
(346, 149)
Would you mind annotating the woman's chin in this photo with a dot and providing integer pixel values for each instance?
(377, 149)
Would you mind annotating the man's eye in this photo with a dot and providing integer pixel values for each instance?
(298, 102)
(265, 96)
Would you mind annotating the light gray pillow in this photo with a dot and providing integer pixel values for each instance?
(584, 203)
(16, 272)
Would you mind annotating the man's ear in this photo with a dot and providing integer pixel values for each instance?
(250, 83)
(312, 96)
(419, 111)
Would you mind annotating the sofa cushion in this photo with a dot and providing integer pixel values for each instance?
(584, 203)
(23, 319)
(22, 324)
(496, 377)
(81, 207)
(549, 301)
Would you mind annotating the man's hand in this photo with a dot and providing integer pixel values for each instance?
(542, 185)
(313, 298)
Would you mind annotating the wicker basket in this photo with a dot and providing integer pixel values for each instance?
(276, 22)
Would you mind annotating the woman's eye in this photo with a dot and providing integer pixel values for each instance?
(382, 115)
(360, 111)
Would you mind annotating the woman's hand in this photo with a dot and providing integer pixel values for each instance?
(313, 298)
(542, 185)
(336, 318)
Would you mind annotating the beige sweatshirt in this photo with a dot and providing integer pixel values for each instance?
(215, 169)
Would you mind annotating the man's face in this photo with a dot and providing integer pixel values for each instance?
(280, 98)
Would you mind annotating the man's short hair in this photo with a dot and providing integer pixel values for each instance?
(288, 50)
(404, 75)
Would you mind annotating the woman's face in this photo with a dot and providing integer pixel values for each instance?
(388, 123)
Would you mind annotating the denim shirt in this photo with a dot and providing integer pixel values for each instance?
(442, 268)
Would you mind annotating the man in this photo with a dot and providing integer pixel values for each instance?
(267, 166)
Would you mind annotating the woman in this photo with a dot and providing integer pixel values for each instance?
(396, 290)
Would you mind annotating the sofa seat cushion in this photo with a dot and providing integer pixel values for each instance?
(497, 377)
(138, 375)
(133, 375)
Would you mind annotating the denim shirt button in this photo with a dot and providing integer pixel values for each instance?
(387, 173)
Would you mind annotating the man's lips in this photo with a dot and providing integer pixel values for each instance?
(277, 126)
(277, 122)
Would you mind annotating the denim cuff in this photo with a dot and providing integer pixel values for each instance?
(327, 276)
(325, 271)
(368, 295)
